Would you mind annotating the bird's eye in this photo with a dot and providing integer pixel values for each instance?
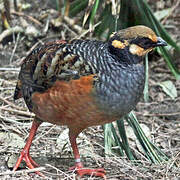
(143, 42)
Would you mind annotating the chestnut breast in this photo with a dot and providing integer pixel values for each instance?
(70, 103)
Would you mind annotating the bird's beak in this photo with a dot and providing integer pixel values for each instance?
(160, 42)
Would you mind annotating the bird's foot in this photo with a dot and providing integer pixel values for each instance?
(81, 171)
(29, 162)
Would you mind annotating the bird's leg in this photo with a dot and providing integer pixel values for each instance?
(25, 152)
(78, 167)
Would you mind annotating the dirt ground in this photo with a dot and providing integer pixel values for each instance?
(161, 114)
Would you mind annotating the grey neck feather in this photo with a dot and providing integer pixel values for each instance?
(120, 85)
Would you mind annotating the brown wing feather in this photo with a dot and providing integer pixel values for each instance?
(30, 63)
(47, 64)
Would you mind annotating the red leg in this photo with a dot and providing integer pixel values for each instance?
(78, 167)
(25, 152)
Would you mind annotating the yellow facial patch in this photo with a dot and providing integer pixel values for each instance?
(137, 50)
(119, 44)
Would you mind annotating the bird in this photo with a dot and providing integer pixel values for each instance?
(82, 83)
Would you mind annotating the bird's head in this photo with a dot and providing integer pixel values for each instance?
(136, 40)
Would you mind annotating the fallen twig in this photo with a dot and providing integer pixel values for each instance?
(7, 32)
(171, 12)
(9, 120)
(58, 170)
(73, 24)
(29, 17)
(23, 171)
(10, 103)
(9, 69)
(157, 114)
(87, 31)
(14, 49)
(24, 113)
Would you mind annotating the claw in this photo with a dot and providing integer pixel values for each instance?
(29, 162)
(81, 171)
(25, 152)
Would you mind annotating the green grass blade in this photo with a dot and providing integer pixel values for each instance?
(111, 140)
(150, 151)
(166, 55)
(93, 13)
(108, 139)
(122, 133)
(145, 16)
(146, 91)
(117, 141)
(106, 19)
(160, 30)
(77, 6)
